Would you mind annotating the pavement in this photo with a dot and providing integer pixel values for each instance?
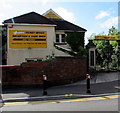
(101, 85)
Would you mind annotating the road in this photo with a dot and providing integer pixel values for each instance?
(105, 103)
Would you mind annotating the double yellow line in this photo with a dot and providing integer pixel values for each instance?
(62, 101)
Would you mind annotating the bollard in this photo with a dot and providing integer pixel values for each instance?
(44, 78)
(88, 83)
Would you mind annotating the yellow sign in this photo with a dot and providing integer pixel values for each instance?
(51, 15)
(20, 39)
(105, 38)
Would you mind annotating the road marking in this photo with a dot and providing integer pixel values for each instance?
(62, 101)
(15, 103)
(118, 87)
(89, 99)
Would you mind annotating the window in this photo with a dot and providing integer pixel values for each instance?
(91, 58)
(57, 38)
(60, 38)
(63, 38)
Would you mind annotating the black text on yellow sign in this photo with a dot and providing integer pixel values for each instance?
(20, 39)
(106, 38)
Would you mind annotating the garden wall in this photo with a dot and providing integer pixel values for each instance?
(61, 70)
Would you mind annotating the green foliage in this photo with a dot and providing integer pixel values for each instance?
(114, 61)
(114, 45)
(113, 31)
(107, 50)
(82, 52)
(48, 58)
(75, 40)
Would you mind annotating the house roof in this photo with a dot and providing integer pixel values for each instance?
(67, 26)
(61, 23)
(30, 18)
(47, 18)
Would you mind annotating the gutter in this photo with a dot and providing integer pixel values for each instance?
(46, 25)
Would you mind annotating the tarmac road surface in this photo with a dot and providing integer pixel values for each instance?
(105, 103)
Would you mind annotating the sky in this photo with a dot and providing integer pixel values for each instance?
(96, 16)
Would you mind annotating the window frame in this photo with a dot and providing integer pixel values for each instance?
(60, 38)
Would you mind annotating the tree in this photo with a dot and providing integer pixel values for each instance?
(113, 31)
(115, 44)
(75, 40)
(107, 50)
(104, 50)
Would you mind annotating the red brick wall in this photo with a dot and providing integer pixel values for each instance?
(59, 71)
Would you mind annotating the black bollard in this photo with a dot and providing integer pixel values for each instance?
(88, 83)
(44, 78)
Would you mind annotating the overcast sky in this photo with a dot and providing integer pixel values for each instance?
(96, 16)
